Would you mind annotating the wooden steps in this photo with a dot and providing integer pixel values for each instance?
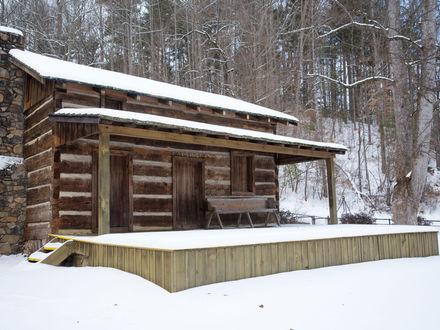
(52, 253)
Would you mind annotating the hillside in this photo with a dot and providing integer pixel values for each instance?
(361, 184)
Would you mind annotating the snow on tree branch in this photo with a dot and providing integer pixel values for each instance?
(350, 85)
(372, 26)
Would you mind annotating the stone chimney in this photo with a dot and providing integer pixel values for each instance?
(12, 169)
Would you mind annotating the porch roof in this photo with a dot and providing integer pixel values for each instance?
(111, 116)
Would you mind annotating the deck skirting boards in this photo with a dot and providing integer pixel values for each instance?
(177, 270)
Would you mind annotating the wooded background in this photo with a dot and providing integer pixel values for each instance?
(369, 66)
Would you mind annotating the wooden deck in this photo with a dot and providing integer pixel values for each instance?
(182, 268)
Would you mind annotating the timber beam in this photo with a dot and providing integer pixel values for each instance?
(104, 184)
(331, 186)
(214, 142)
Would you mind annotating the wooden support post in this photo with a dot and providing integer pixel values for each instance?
(331, 186)
(104, 184)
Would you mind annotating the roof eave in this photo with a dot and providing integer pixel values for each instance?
(34, 74)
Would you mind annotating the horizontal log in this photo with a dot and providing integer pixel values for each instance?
(37, 130)
(75, 167)
(142, 187)
(79, 147)
(78, 99)
(152, 205)
(38, 145)
(39, 160)
(75, 204)
(78, 89)
(148, 170)
(152, 221)
(37, 231)
(75, 185)
(217, 191)
(151, 154)
(265, 190)
(220, 173)
(39, 177)
(74, 222)
(264, 163)
(39, 114)
(264, 176)
(38, 195)
(39, 213)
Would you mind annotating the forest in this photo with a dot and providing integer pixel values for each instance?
(363, 73)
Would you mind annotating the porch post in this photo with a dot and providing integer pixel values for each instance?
(331, 186)
(104, 184)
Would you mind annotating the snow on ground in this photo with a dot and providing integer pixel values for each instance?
(373, 197)
(242, 236)
(6, 161)
(371, 295)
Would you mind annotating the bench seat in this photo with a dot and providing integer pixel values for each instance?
(246, 205)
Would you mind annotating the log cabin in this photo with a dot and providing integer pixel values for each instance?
(108, 152)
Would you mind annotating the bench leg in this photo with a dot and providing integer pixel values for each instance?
(239, 219)
(249, 219)
(208, 223)
(277, 217)
(219, 220)
(267, 219)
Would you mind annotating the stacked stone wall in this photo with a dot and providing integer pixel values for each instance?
(12, 169)
(12, 208)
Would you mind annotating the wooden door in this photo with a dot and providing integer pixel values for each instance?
(119, 193)
(188, 193)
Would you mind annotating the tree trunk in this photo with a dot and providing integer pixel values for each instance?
(411, 159)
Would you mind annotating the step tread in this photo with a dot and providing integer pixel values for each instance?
(52, 246)
(38, 256)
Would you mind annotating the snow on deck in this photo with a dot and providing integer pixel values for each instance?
(10, 30)
(147, 119)
(193, 239)
(51, 68)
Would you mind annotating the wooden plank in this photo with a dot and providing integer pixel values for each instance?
(59, 255)
(215, 142)
(104, 184)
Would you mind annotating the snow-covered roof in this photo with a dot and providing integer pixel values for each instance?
(188, 125)
(10, 30)
(51, 68)
(7, 161)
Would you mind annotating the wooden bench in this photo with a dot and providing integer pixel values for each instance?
(243, 205)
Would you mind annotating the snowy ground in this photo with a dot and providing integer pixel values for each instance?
(371, 295)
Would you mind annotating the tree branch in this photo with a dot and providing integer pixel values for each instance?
(350, 85)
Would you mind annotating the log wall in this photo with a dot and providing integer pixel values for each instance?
(71, 95)
(152, 182)
(59, 192)
(38, 158)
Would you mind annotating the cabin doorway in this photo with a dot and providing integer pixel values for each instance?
(188, 193)
(120, 192)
